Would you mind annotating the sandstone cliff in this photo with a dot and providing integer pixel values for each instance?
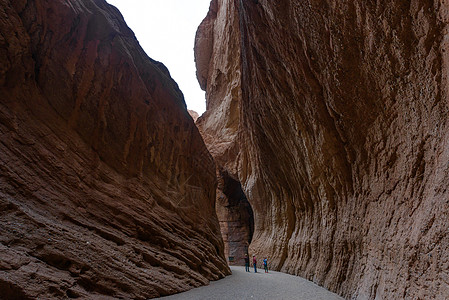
(333, 116)
(106, 187)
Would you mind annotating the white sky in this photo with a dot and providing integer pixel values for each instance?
(166, 31)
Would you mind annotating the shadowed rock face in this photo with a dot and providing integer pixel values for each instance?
(236, 219)
(333, 116)
(106, 187)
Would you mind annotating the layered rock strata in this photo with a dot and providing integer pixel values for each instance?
(106, 187)
(333, 116)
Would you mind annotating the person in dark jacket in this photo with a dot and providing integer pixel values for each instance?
(246, 263)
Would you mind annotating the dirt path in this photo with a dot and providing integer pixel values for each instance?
(242, 285)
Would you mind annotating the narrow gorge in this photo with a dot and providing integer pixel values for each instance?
(324, 147)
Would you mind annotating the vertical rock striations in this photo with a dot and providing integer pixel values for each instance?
(106, 187)
(333, 116)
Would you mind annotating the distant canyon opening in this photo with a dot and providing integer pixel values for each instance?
(236, 218)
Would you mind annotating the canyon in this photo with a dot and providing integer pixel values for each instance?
(106, 186)
(330, 119)
(324, 147)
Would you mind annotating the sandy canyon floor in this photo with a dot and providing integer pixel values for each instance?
(272, 285)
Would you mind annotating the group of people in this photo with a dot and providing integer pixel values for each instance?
(265, 264)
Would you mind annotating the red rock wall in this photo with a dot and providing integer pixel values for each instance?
(339, 137)
(106, 187)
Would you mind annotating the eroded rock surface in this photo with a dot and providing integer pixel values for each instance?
(333, 116)
(106, 187)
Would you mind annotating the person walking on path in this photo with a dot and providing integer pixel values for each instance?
(265, 265)
(255, 263)
(246, 263)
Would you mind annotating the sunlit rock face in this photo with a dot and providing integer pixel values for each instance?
(333, 116)
(106, 187)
